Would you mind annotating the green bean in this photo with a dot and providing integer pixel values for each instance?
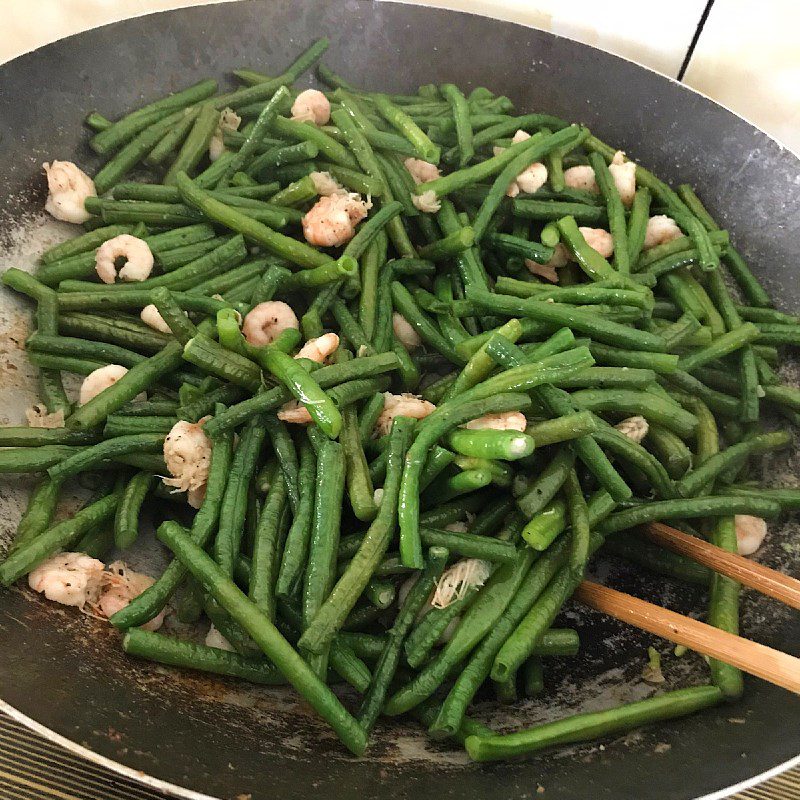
(547, 484)
(461, 117)
(370, 229)
(195, 144)
(591, 725)
(468, 545)
(306, 132)
(214, 359)
(265, 635)
(449, 246)
(562, 429)
(126, 521)
(320, 572)
(584, 321)
(645, 554)
(710, 469)
(60, 536)
(429, 431)
(341, 600)
(90, 457)
(615, 209)
(720, 347)
(405, 125)
(326, 377)
(538, 146)
(514, 245)
(716, 506)
(478, 667)
(178, 653)
(390, 656)
(596, 293)
(480, 618)
(503, 444)
(38, 514)
(637, 223)
(427, 331)
(266, 546)
(359, 483)
(276, 243)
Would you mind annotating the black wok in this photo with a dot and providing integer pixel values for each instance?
(222, 739)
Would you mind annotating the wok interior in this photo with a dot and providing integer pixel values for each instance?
(224, 737)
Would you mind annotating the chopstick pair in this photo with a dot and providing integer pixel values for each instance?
(764, 662)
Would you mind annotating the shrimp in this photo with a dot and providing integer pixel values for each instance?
(624, 174)
(136, 253)
(215, 639)
(320, 348)
(750, 533)
(660, 229)
(458, 580)
(67, 189)
(559, 259)
(311, 106)
(229, 120)
(405, 332)
(401, 405)
(332, 220)
(294, 413)
(532, 178)
(99, 380)
(325, 184)
(635, 428)
(421, 171)
(599, 240)
(151, 316)
(457, 527)
(195, 497)
(266, 321)
(427, 202)
(187, 453)
(38, 417)
(504, 421)
(120, 586)
(72, 579)
(581, 177)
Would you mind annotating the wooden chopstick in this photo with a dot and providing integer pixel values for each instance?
(757, 659)
(767, 581)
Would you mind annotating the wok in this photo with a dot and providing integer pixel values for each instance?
(220, 738)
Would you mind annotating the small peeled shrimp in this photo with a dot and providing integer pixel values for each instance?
(68, 187)
(294, 413)
(599, 240)
(187, 453)
(750, 533)
(532, 178)
(215, 639)
(504, 421)
(136, 252)
(581, 177)
(421, 171)
(120, 586)
(560, 258)
(401, 405)
(466, 574)
(266, 321)
(99, 380)
(320, 348)
(332, 220)
(624, 174)
(325, 184)
(72, 579)
(229, 120)
(634, 428)
(405, 332)
(427, 202)
(151, 316)
(195, 497)
(660, 230)
(311, 106)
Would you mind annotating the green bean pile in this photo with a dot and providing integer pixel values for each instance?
(293, 555)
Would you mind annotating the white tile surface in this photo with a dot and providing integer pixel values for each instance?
(748, 58)
(629, 28)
